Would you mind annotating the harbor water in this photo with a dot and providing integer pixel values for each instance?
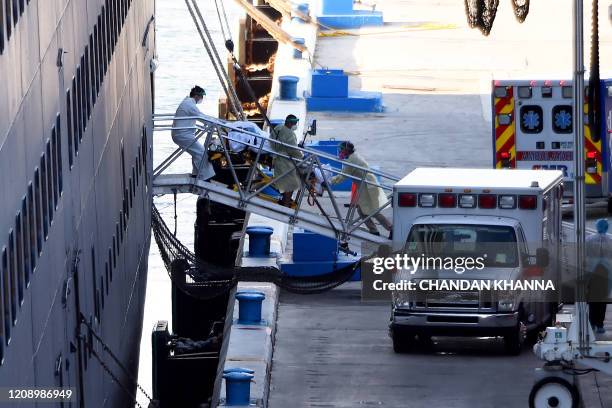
(183, 63)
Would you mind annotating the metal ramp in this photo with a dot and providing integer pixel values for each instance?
(243, 190)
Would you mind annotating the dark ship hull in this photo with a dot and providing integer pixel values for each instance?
(75, 166)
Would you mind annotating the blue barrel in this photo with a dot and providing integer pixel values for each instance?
(237, 388)
(259, 241)
(297, 54)
(288, 87)
(249, 307)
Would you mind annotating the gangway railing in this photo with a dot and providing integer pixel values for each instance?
(247, 193)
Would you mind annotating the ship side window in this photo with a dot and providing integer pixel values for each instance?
(145, 152)
(13, 275)
(96, 66)
(133, 184)
(15, 12)
(120, 229)
(50, 183)
(69, 127)
(110, 262)
(114, 252)
(119, 235)
(102, 292)
(32, 225)
(19, 269)
(75, 116)
(109, 50)
(79, 107)
(138, 168)
(87, 84)
(9, 22)
(112, 23)
(25, 232)
(106, 272)
(83, 97)
(57, 146)
(94, 280)
(92, 70)
(102, 39)
(6, 295)
(43, 194)
(117, 20)
(39, 221)
(1, 36)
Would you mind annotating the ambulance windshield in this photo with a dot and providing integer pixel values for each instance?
(494, 243)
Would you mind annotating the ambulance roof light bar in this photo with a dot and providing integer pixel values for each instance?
(484, 201)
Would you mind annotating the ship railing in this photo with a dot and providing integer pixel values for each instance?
(214, 133)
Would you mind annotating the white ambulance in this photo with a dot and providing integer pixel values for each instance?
(510, 219)
(533, 128)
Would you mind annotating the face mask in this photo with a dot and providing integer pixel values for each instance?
(199, 101)
(294, 127)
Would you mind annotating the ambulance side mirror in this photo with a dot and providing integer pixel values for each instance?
(542, 257)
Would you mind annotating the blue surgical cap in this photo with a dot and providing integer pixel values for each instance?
(602, 226)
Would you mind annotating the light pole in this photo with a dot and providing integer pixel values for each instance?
(579, 216)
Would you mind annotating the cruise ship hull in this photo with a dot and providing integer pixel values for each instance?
(75, 174)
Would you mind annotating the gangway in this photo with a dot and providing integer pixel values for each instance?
(244, 192)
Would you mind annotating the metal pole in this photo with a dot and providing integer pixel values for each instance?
(579, 202)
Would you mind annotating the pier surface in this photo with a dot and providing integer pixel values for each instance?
(331, 349)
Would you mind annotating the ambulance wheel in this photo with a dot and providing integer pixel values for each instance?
(403, 342)
(513, 341)
(554, 392)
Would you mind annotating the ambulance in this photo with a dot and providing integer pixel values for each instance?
(510, 219)
(533, 122)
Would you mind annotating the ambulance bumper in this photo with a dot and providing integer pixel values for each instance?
(454, 324)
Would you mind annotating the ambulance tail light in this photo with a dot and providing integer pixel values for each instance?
(487, 201)
(506, 163)
(507, 202)
(528, 202)
(447, 200)
(591, 162)
(467, 201)
(407, 200)
(427, 200)
(533, 272)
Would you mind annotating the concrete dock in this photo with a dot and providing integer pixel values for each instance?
(332, 350)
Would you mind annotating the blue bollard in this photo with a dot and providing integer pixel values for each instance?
(304, 8)
(249, 307)
(259, 241)
(297, 54)
(288, 87)
(238, 370)
(237, 388)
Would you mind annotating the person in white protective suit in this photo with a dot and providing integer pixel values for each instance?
(239, 141)
(370, 196)
(184, 134)
(599, 258)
